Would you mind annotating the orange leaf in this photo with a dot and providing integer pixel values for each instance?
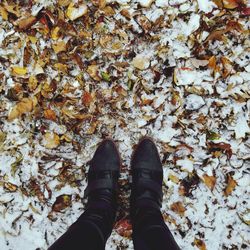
(50, 114)
(87, 99)
(209, 181)
(231, 184)
(178, 208)
(200, 244)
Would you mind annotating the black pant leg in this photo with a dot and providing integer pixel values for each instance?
(80, 236)
(151, 232)
(89, 232)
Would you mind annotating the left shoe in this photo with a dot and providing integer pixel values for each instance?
(102, 188)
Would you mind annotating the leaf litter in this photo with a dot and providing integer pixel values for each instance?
(74, 72)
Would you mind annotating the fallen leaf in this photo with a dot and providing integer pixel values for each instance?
(62, 202)
(59, 47)
(140, 62)
(124, 228)
(230, 4)
(92, 70)
(26, 22)
(52, 140)
(87, 99)
(50, 114)
(19, 70)
(209, 181)
(10, 187)
(16, 163)
(231, 184)
(26, 105)
(75, 12)
(3, 13)
(200, 244)
(178, 208)
(223, 147)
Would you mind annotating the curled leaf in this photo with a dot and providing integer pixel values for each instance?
(209, 181)
(52, 140)
(62, 202)
(178, 208)
(15, 164)
(231, 184)
(10, 187)
(26, 105)
(200, 244)
(75, 12)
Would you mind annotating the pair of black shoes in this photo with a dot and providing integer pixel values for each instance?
(147, 176)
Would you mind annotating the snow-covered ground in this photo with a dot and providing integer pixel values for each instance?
(73, 73)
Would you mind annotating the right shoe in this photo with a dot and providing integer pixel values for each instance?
(147, 177)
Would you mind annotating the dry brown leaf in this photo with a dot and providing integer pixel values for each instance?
(50, 114)
(93, 72)
(200, 244)
(178, 208)
(223, 147)
(227, 67)
(10, 187)
(231, 184)
(3, 13)
(59, 47)
(51, 140)
(209, 181)
(26, 22)
(62, 202)
(26, 105)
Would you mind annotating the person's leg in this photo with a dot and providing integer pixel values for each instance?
(149, 230)
(94, 226)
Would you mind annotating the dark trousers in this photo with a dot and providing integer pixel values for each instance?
(88, 233)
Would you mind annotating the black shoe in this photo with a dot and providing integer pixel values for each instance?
(147, 177)
(102, 187)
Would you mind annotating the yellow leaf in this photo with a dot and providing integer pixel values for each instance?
(52, 140)
(61, 67)
(3, 13)
(26, 105)
(173, 178)
(178, 208)
(93, 72)
(200, 244)
(75, 12)
(59, 47)
(55, 33)
(210, 181)
(231, 184)
(33, 39)
(32, 83)
(19, 70)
